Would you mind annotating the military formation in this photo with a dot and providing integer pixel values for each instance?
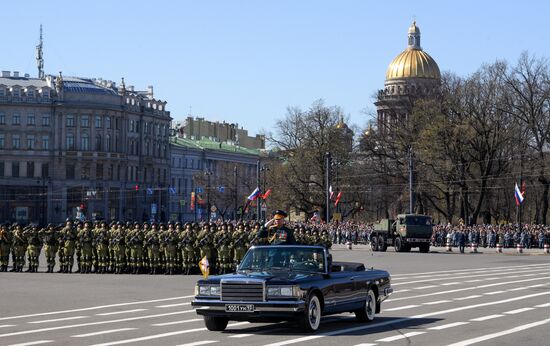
(140, 248)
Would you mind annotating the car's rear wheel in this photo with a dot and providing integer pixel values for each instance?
(216, 324)
(424, 248)
(367, 312)
(382, 245)
(398, 244)
(312, 316)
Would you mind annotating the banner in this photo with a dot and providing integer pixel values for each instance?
(192, 200)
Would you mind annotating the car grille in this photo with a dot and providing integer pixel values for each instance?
(242, 292)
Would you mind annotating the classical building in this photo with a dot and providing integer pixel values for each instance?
(72, 146)
(210, 175)
(199, 128)
(411, 75)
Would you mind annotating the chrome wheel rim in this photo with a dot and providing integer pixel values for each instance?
(371, 305)
(314, 313)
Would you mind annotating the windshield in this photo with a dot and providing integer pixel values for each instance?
(418, 221)
(284, 258)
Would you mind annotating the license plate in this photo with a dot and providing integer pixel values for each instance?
(239, 307)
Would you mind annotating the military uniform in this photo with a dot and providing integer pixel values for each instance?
(69, 247)
(19, 246)
(170, 244)
(188, 242)
(205, 243)
(50, 237)
(134, 241)
(5, 247)
(101, 242)
(239, 244)
(153, 249)
(85, 238)
(223, 241)
(117, 244)
(277, 234)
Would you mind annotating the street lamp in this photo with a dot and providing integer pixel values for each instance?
(264, 169)
(208, 173)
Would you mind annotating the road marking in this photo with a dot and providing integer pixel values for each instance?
(425, 287)
(198, 343)
(60, 319)
(493, 293)
(468, 297)
(102, 332)
(366, 345)
(475, 280)
(449, 325)
(437, 302)
(173, 305)
(7, 325)
(120, 312)
(176, 322)
(543, 305)
(163, 335)
(400, 291)
(39, 342)
(402, 307)
(451, 283)
(95, 307)
(399, 337)
(471, 270)
(33, 331)
(485, 318)
(240, 335)
(518, 289)
(517, 311)
(498, 334)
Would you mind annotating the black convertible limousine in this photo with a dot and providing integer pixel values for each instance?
(291, 283)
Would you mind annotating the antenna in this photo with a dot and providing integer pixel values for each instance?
(40, 57)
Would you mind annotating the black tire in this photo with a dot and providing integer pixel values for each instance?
(367, 312)
(216, 324)
(407, 248)
(382, 246)
(311, 320)
(374, 243)
(398, 244)
(424, 248)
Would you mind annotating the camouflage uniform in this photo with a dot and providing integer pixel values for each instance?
(205, 243)
(170, 243)
(134, 240)
(118, 246)
(5, 247)
(85, 238)
(239, 245)
(101, 242)
(153, 249)
(69, 242)
(50, 237)
(19, 245)
(187, 244)
(223, 241)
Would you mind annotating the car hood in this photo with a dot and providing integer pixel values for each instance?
(271, 276)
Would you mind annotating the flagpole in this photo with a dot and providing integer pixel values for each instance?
(520, 207)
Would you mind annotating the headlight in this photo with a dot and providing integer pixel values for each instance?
(283, 291)
(208, 290)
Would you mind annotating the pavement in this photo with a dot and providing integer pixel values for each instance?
(440, 298)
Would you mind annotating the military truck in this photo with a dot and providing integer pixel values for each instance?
(403, 233)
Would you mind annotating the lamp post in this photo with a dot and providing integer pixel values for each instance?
(44, 182)
(264, 169)
(208, 173)
(236, 192)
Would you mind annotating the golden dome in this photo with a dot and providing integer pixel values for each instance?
(413, 63)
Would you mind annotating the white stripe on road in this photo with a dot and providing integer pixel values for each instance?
(543, 305)
(451, 283)
(39, 342)
(475, 280)
(95, 308)
(498, 334)
(366, 345)
(493, 293)
(198, 343)
(60, 319)
(471, 270)
(399, 337)
(437, 302)
(449, 325)
(485, 318)
(425, 287)
(163, 335)
(7, 325)
(33, 331)
(403, 290)
(120, 312)
(240, 335)
(402, 308)
(398, 320)
(102, 332)
(176, 322)
(468, 297)
(518, 311)
(173, 305)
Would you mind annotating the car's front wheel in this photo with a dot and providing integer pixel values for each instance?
(367, 312)
(216, 324)
(312, 316)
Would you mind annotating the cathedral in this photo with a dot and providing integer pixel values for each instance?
(411, 75)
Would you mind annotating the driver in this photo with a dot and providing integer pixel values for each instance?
(276, 232)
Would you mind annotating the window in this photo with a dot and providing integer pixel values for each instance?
(110, 172)
(108, 123)
(108, 143)
(98, 143)
(2, 92)
(30, 93)
(85, 121)
(99, 171)
(98, 122)
(69, 172)
(30, 141)
(2, 169)
(45, 93)
(15, 169)
(15, 93)
(2, 141)
(30, 119)
(30, 169)
(70, 141)
(2, 118)
(45, 170)
(45, 142)
(45, 120)
(69, 121)
(85, 142)
(16, 119)
(15, 142)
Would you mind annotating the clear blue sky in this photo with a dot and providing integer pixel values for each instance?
(246, 61)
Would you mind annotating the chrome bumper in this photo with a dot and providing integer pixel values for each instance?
(386, 293)
(203, 305)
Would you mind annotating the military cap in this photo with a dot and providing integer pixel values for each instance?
(279, 214)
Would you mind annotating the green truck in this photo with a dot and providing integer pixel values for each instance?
(403, 233)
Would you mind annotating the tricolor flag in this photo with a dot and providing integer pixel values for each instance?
(254, 195)
(204, 267)
(338, 198)
(331, 193)
(519, 195)
(266, 194)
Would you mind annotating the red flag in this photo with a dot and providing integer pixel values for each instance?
(338, 198)
(192, 201)
(266, 194)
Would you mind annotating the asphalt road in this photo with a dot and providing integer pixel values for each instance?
(440, 299)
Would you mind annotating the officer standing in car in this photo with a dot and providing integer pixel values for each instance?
(276, 232)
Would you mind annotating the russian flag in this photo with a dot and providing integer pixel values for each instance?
(518, 195)
(254, 195)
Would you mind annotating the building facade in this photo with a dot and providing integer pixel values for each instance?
(82, 147)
